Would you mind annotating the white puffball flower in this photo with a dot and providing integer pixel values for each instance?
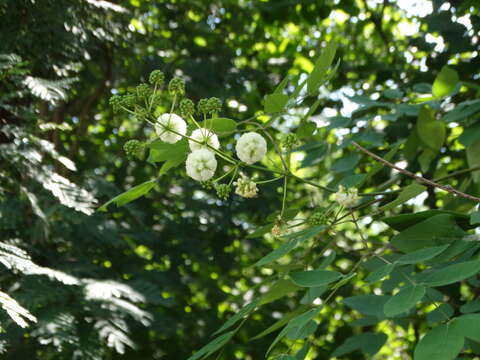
(251, 147)
(201, 165)
(167, 122)
(206, 137)
(346, 198)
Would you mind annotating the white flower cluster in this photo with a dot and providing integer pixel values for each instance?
(201, 163)
(170, 128)
(251, 147)
(346, 197)
(245, 187)
(204, 137)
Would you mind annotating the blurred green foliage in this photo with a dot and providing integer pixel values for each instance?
(155, 278)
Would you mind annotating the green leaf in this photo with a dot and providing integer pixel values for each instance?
(421, 255)
(295, 239)
(378, 166)
(370, 343)
(278, 324)
(130, 195)
(468, 326)
(302, 353)
(452, 273)
(162, 151)
(475, 217)
(212, 346)
(275, 102)
(431, 132)
(368, 304)
(445, 82)
(435, 231)
(408, 193)
(442, 343)
(407, 298)
(220, 126)
(404, 221)
(296, 322)
(317, 76)
(247, 309)
(314, 278)
(279, 289)
(470, 307)
(441, 313)
(302, 332)
(380, 273)
(473, 159)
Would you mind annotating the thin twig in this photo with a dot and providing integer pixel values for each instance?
(416, 177)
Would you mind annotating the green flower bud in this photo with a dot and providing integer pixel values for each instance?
(214, 105)
(203, 106)
(223, 191)
(134, 149)
(128, 100)
(290, 141)
(144, 92)
(187, 108)
(177, 86)
(207, 184)
(317, 218)
(115, 102)
(156, 77)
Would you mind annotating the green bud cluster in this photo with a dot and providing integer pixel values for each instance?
(317, 218)
(176, 86)
(209, 106)
(143, 92)
(116, 102)
(157, 78)
(223, 191)
(290, 141)
(207, 184)
(129, 100)
(134, 149)
(141, 113)
(187, 108)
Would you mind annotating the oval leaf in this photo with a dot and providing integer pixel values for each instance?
(452, 273)
(314, 278)
(407, 298)
(441, 343)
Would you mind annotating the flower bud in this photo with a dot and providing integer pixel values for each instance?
(157, 78)
(203, 106)
(143, 92)
(290, 141)
(214, 105)
(115, 102)
(176, 86)
(134, 149)
(317, 218)
(187, 108)
(223, 191)
(128, 101)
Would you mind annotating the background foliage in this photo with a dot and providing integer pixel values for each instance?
(156, 278)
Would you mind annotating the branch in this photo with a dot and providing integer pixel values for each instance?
(416, 177)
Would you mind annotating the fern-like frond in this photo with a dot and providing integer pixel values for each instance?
(49, 90)
(17, 313)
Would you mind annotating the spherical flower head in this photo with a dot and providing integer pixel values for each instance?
(203, 106)
(223, 191)
(143, 92)
(156, 77)
(214, 105)
(187, 108)
(134, 149)
(346, 197)
(251, 147)
(115, 102)
(245, 187)
(205, 137)
(128, 100)
(201, 165)
(166, 124)
(317, 218)
(176, 86)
